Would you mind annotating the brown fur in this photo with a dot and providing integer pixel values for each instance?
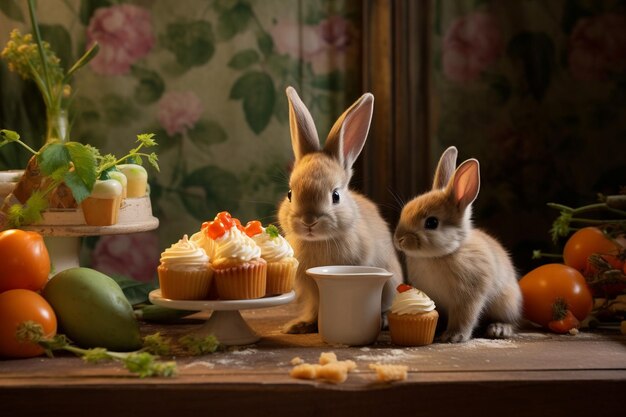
(351, 232)
(465, 271)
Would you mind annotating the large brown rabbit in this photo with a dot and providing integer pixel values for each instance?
(466, 272)
(324, 221)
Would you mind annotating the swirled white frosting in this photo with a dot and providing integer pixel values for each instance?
(412, 301)
(184, 255)
(203, 241)
(273, 249)
(234, 244)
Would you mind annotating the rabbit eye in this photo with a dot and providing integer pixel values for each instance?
(431, 223)
(289, 195)
(335, 196)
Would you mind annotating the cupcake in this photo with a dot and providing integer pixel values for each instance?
(102, 206)
(281, 264)
(137, 178)
(240, 272)
(185, 272)
(412, 317)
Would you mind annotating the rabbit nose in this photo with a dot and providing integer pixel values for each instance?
(309, 220)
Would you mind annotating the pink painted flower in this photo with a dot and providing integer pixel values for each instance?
(179, 111)
(134, 255)
(324, 45)
(597, 47)
(124, 33)
(470, 45)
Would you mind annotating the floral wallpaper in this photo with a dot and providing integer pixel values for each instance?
(208, 78)
(536, 90)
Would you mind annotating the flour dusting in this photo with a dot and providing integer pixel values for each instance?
(488, 343)
(206, 364)
(385, 356)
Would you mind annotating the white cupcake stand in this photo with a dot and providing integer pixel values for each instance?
(225, 322)
(63, 228)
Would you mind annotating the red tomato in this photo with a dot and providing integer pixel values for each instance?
(25, 262)
(16, 307)
(543, 286)
(564, 324)
(584, 243)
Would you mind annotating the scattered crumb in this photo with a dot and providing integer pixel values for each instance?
(329, 368)
(297, 361)
(304, 371)
(573, 331)
(327, 357)
(388, 373)
(333, 372)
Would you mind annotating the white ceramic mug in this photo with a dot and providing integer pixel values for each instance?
(350, 302)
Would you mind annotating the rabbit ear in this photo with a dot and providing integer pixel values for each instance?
(466, 183)
(445, 168)
(304, 137)
(347, 137)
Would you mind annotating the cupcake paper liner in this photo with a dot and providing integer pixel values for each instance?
(242, 282)
(185, 285)
(280, 277)
(413, 329)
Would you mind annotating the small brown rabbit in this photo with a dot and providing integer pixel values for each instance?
(324, 221)
(466, 272)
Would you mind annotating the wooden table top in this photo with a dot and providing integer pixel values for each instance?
(535, 373)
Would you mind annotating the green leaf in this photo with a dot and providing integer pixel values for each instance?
(281, 106)
(9, 135)
(146, 139)
(136, 292)
(118, 110)
(272, 231)
(60, 42)
(80, 190)
(207, 133)
(535, 54)
(333, 81)
(256, 89)
(150, 87)
(210, 189)
(193, 43)
(244, 59)
(88, 7)
(53, 157)
(233, 21)
(12, 10)
(85, 164)
(82, 61)
(265, 43)
(502, 87)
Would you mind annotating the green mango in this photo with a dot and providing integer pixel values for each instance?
(92, 310)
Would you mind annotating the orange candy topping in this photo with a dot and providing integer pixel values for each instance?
(403, 287)
(253, 227)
